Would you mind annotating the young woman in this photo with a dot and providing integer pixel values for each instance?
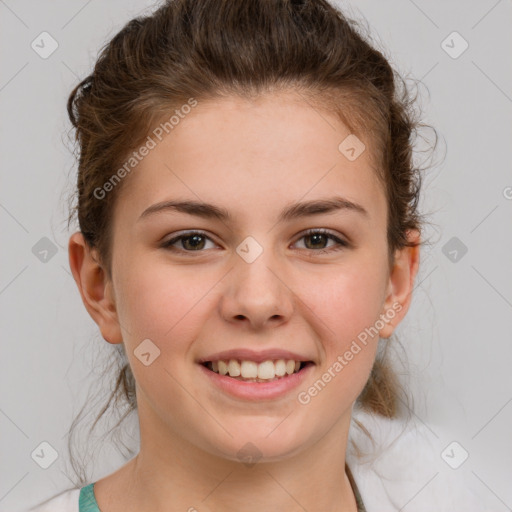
(249, 235)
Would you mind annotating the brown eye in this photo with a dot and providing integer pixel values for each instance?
(317, 238)
(190, 242)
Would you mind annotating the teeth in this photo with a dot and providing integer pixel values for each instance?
(248, 369)
(266, 370)
(280, 367)
(233, 368)
(223, 368)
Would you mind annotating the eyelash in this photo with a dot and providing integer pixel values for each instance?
(342, 244)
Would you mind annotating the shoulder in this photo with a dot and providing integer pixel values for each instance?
(66, 501)
(404, 467)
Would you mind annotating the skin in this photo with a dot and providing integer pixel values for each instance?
(252, 158)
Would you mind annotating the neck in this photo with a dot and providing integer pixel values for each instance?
(172, 474)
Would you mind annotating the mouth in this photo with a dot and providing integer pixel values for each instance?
(251, 371)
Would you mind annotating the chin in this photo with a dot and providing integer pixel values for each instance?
(258, 445)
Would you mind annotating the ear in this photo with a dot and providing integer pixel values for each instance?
(400, 286)
(94, 286)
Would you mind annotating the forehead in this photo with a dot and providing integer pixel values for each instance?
(254, 154)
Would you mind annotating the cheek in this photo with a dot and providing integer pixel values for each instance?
(160, 303)
(347, 301)
(347, 307)
(164, 306)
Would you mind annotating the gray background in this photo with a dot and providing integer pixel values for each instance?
(458, 331)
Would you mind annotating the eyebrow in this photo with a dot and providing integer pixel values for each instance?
(290, 212)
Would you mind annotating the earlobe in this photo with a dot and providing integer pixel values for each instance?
(401, 284)
(94, 287)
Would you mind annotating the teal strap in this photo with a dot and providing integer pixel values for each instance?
(359, 501)
(87, 501)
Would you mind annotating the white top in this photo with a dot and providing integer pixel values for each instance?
(403, 472)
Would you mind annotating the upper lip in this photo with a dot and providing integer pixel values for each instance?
(245, 354)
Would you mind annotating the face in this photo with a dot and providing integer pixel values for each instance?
(254, 280)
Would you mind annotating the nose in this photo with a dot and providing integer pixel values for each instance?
(257, 294)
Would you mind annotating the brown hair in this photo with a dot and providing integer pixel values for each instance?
(207, 49)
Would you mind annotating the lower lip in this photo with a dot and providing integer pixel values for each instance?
(258, 390)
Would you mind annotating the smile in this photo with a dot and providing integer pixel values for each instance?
(251, 371)
(253, 381)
